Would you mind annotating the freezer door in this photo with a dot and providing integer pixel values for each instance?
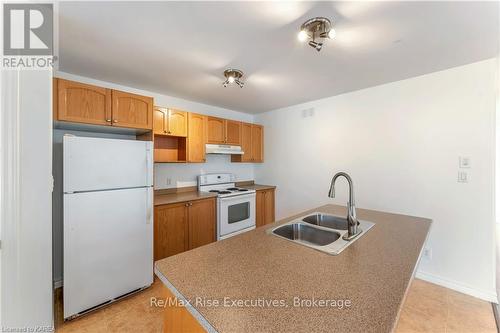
(108, 246)
(99, 164)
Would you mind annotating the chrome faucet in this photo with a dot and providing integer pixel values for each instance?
(352, 221)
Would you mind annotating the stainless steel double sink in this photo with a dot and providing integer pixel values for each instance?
(319, 231)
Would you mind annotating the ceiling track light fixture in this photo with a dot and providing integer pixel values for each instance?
(233, 76)
(316, 29)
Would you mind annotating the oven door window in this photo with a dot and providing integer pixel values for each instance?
(238, 212)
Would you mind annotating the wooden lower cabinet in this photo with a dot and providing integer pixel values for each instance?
(176, 318)
(170, 230)
(183, 226)
(264, 203)
(202, 223)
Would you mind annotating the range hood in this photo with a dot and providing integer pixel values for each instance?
(223, 149)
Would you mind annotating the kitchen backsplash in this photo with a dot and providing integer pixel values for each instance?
(171, 175)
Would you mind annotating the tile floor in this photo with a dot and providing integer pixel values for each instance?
(428, 308)
(431, 308)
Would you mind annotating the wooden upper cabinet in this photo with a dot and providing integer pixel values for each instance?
(216, 130)
(177, 123)
(202, 222)
(197, 137)
(252, 144)
(131, 110)
(257, 143)
(246, 144)
(160, 116)
(170, 122)
(224, 131)
(233, 132)
(83, 103)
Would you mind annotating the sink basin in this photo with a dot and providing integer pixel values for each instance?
(303, 233)
(319, 231)
(327, 221)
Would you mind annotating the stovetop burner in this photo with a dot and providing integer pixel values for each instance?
(225, 190)
(220, 191)
(237, 189)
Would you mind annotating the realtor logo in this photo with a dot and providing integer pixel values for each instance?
(28, 29)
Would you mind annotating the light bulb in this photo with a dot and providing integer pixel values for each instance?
(302, 36)
(331, 34)
(230, 79)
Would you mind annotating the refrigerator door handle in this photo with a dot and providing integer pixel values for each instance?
(149, 207)
(149, 163)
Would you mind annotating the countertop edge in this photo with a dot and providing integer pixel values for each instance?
(198, 316)
(413, 274)
(259, 187)
(173, 200)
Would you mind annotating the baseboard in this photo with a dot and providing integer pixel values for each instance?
(457, 286)
(497, 316)
(58, 284)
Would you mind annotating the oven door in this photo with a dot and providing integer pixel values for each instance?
(236, 213)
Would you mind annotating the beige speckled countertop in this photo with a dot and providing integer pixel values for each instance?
(374, 273)
(257, 187)
(192, 194)
(164, 199)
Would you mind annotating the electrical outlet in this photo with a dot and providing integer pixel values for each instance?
(427, 253)
(169, 181)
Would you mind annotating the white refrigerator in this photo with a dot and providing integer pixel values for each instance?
(108, 220)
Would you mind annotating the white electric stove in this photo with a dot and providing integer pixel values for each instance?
(235, 206)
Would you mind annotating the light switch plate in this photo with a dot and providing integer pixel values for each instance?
(463, 177)
(464, 162)
(427, 254)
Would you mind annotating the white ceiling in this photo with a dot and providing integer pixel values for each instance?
(182, 48)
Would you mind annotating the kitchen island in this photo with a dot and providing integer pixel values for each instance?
(257, 282)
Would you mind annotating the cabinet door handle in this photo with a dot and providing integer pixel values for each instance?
(115, 121)
(186, 204)
(108, 120)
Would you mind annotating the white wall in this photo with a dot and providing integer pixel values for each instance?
(497, 180)
(401, 142)
(184, 174)
(26, 120)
